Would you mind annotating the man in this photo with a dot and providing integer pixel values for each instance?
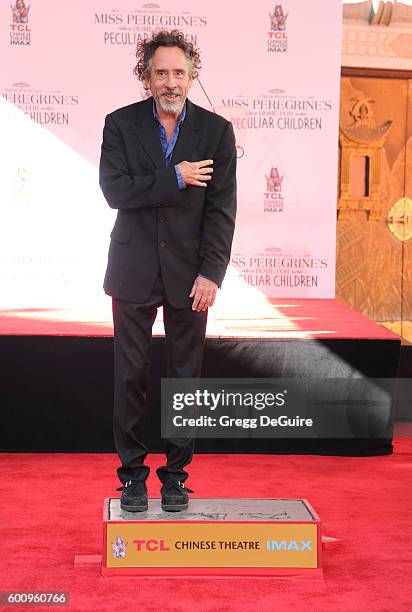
(169, 167)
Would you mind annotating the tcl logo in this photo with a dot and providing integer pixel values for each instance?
(277, 35)
(19, 27)
(150, 545)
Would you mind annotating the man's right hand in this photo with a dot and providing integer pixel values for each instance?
(194, 173)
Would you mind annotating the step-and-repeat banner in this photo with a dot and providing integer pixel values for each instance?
(272, 69)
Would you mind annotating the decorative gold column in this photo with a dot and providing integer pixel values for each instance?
(361, 138)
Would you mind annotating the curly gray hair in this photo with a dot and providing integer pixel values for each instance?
(146, 49)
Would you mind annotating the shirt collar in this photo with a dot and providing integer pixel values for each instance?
(181, 116)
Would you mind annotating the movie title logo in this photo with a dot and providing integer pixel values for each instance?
(275, 110)
(277, 39)
(273, 200)
(20, 33)
(43, 107)
(128, 28)
(279, 269)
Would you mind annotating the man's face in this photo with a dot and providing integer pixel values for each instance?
(169, 79)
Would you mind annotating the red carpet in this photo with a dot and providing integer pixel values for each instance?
(52, 511)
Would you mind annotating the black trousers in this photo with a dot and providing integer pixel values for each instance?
(185, 331)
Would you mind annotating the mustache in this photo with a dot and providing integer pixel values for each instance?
(169, 91)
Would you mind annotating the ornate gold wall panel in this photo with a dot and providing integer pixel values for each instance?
(374, 247)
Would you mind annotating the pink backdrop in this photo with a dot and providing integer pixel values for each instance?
(276, 80)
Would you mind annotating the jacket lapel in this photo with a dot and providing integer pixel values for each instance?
(147, 131)
(189, 135)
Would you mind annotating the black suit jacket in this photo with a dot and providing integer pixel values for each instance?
(181, 231)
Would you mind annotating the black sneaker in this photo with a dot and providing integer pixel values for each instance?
(174, 496)
(134, 496)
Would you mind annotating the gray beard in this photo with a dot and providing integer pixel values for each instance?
(166, 107)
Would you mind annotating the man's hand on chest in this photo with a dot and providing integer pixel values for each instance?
(195, 173)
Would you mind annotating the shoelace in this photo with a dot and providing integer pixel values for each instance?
(128, 484)
(180, 486)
